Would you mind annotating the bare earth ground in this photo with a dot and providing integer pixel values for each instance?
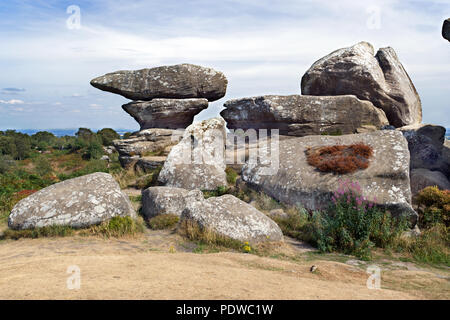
(161, 265)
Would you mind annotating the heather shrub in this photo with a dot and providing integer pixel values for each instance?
(340, 159)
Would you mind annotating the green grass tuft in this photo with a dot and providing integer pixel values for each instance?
(163, 221)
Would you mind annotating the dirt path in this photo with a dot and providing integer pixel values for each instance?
(144, 268)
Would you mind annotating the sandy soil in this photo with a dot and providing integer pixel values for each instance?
(158, 266)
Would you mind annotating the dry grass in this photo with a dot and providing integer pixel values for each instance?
(114, 228)
(163, 221)
(192, 231)
(340, 158)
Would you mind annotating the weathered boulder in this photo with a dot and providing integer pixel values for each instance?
(149, 163)
(198, 161)
(233, 218)
(176, 82)
(165, 113)
(422, 178)
(147, 141)
(385, 181)
(446, 29)
(78, 202)
(303, 115)
(380, 79)
(425, 143)
(146, 148)
(166, 200)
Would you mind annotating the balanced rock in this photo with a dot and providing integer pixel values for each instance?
(165, 113)
(78, 202)
(303, 115)
(385, 181)
(198, 161)
(446, 29)
(166, 200)
(422, 178)
(177, 82)
(232, 218)
(425, 143)
(380, 79)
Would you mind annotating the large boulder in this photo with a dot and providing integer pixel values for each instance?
(198, 161)
(385, 181)
(426, 143)
(147, 141)
(446, 29)
(233, 218)
(176, 82)
(166, 200)
(422, 178)
(380, 79)
(303, 115)
(78, 202)
(146, 148)
(165, 113)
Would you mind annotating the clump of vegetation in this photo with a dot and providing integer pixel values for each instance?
(44, 232)
(42, 166)
(116, 227)
(231, 175)
(337, 132)
(352, 224)
(340, 158)
(7, 163)
(163, 221)
(206, 237)
(432, 246)
(107, 136)
(220, 191)
(246, 247)
(264, 202)
(433, 206)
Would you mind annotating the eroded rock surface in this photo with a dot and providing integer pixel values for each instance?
(233, 218)
(422, 178)
(386, 180)
(174, 82)
(165, 113)
(166, 200)
(198, 161)
(304, 115)
(78, 202)
(446, 29)
(426, 147)
(379, 78)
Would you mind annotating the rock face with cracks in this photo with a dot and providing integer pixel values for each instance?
(78, 202)
(233, 218)
(179, 81)
(380, 79)
(297, 115)
(165, 113)
(385, 181)
(166, 200)
(198, 161)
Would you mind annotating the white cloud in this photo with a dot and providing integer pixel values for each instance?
(262, 46)
(12, 101)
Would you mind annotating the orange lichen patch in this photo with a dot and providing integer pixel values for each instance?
(340, 158)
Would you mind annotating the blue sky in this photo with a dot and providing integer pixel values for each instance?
(262, 46)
